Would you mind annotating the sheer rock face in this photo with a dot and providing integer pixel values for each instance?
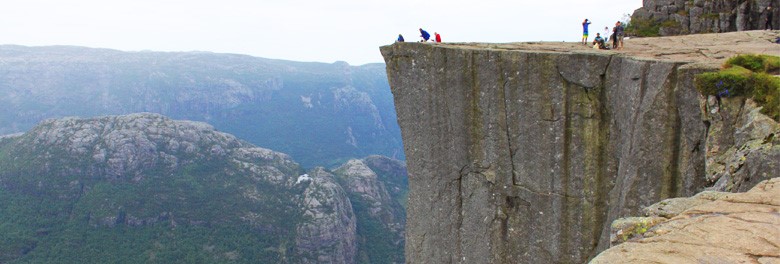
(376, 186)
(329, 234)
(734, 228)
(743, 145)
(526, 152)
(679, 17)
(528, 156)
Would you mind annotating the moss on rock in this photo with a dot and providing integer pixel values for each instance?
(746, 75)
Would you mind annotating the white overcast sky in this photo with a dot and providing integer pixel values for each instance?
(301, 30)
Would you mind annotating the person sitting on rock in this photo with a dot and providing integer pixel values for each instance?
(599, 41)
(400, 38)
(437, 37)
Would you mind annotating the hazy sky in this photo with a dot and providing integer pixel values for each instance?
(302, 30)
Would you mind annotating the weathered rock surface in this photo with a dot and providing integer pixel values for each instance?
(679, 17)
(526, 152)
(377, 188)
(634, 228)
(743, 145)
(329, 233)
(734, 228)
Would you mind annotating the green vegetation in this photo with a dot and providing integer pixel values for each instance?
(638, 229)
(643, 28)
(757, 63)
(374, 228)
(134, 205)
(371, 231)
(711, 16)
(64, 208)
(748, 76)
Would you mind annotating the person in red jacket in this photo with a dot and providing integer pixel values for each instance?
(438, 37)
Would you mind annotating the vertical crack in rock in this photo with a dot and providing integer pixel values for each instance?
(601, 190)
(566, 238)
(459, 222)
(672, 175)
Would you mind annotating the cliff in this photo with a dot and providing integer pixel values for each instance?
(526, 152)
(678, 17)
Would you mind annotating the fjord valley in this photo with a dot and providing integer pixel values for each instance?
(321, 114)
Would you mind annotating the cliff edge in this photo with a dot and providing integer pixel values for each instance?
(526, 152)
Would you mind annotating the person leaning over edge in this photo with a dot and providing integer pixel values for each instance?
(424, 35)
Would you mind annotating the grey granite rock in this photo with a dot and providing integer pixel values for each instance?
(708, 16)
(522, 156)
(329, 235)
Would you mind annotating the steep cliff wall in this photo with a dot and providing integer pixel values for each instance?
(677, 17)
(524, 153)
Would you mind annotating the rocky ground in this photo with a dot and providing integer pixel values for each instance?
(702, 48)
(708, 228)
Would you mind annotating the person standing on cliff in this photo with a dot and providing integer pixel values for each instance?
(614, 37)
(619, 34)
(768, 25)
(606, 34)
(424, 35)
(585, 25)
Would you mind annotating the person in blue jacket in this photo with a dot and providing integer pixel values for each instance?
(585, 25)
(424, 35)
(400, 38)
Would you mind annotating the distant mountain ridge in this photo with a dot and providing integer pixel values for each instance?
(143, 188)
(321, 114)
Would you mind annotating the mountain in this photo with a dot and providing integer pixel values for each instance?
(321, 114)
(144, 188)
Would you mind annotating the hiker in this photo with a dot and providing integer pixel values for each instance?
(424, 35)
(437, 37)
(768, 25)
(606, 34)
(585, 25)
(400, 38)
(614, 38)
(619, 34)
(599, 41)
